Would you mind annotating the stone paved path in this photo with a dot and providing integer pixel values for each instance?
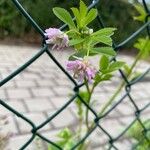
(42, 89)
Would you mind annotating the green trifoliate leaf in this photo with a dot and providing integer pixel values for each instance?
(104, 62)
(116, 65)
(83, 9)
(51, 147)
(81, 54)
(92, 14)
(103, 36)
(69, 144)
(66, 140)
(84, 95)
(104, 32)
(65, 134)
(143, 45)
(126, 69)
(64, 16)
(77, 55)
(135, 131)
(141, 11)
(107, 77)
(83, 17)
(102, 77)
(104, 50)
(135, 76)
(77, 15)
(97, 79)
(102, 39)
(76, 41)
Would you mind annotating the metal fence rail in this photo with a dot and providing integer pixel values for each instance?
(96, 121)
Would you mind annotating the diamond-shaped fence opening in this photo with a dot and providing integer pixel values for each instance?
(112, 140)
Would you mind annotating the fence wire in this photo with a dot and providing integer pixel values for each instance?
(128, 88)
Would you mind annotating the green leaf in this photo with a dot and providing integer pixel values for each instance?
(135, 131)
(83, 9)
(77, 55)
(143, 45)
(84, 95)
(64, 16)
(104, 32)
(104, 62)
(107, 77)
(65, 134)
(116, 65)
(70, 143)
(100, 77)
(126, 68)
(104, 50)
(97, 79)
(75, 41)
(81, 54)
(141, 11)
(102, 39)
(135, 75)
(51, 147)
(77, 15)
(66, 140)
(92, 14)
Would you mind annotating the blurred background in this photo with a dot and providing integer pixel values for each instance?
(13, 26)
(42, 88)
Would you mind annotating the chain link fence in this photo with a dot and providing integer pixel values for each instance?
(128, 88)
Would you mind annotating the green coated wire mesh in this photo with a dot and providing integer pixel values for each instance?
(128, 88)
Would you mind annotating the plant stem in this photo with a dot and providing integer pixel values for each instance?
(121, 85)
(119, 88)
(88, 102)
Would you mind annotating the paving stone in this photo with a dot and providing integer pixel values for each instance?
(98, 138)
(3, 94)
(29, 75)
(38, 105)
(35, 69)
(62, 91)
(126, 108)
(48, 75)
(51, 134)
(113, 114)
(126, 121)
(145, 115)
(113, 127)
(42, 92)
(10, 127)
(17, 105)
(99, 148)
(123, 145)
(18, 93)
(9, 84)
(16, 142)
(46, 83)
(25, 83)
(139, 95)
(142, 103)
(4, 111)
(100, 97)
(37, 118)
(60, 101)
(64, 83)
(43, 85)
(64, 119)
